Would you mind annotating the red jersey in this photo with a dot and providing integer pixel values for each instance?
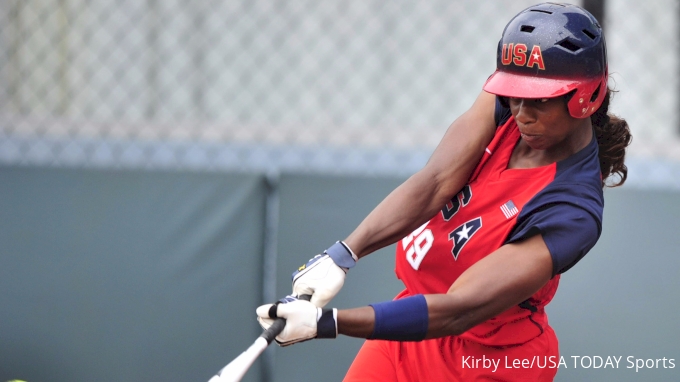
(562, 201)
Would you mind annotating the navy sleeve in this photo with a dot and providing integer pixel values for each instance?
(568, 216)
(568, 231)
(501, 113)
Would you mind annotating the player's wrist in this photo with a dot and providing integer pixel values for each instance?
(342, 255)
(327, 323)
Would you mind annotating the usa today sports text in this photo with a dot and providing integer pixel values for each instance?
(574, 361)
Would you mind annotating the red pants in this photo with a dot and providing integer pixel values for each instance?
(456, 359)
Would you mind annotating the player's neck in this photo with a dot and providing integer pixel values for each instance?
(524, 156)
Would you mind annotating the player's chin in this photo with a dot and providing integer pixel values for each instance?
(535, 141)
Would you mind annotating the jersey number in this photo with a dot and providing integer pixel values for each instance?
(417, 244)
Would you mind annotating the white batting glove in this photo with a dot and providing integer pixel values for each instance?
(324, 274)
(304, 321)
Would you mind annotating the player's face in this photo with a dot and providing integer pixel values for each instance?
(544, 123)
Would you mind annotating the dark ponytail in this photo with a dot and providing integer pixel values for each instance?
(613, 136)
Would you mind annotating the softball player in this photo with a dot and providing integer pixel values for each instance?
(511, 198)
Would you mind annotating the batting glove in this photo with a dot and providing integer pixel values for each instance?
(324, 274)
(304, 321)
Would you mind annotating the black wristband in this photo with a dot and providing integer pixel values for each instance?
(327, 325)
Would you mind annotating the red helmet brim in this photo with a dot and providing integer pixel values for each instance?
(522, 86)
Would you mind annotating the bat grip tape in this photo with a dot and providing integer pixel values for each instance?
(274, 330)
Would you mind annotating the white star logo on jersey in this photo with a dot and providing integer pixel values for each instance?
(461, 235)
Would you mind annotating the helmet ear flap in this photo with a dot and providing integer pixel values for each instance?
(585, 101)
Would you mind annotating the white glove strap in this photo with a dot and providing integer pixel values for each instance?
(349, 250)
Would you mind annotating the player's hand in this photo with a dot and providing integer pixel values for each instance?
(323, 275)
(304, 321)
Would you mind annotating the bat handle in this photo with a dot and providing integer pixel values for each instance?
(277, 327)
(274, 330)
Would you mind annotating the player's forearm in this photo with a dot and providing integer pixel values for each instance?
(356, 322)
(447, 315)
(405, 209)
(440, 317)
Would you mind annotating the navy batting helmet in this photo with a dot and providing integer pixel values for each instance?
(550, 50)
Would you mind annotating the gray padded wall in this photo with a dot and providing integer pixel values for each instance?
(127, 276)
